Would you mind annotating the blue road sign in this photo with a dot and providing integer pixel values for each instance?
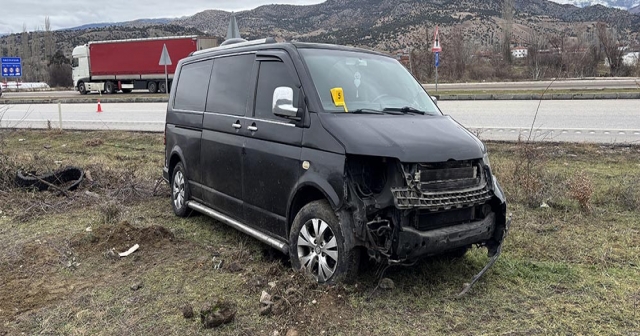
(11, 67)
(437, 59)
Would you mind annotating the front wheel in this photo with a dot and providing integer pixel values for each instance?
(180, 191)
(82, 89)
(317, 245)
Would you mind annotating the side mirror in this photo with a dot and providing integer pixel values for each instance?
(283, 103)
(435, 100)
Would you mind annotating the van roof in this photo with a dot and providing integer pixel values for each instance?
(270, 43)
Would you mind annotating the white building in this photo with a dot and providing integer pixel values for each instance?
(519, 52)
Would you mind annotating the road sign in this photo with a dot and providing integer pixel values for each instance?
(436, 42)
(437, 59)
(11, 67)
(164, 58)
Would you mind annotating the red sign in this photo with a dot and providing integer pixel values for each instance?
(436, 41)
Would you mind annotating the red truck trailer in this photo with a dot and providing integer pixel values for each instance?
(126, 65)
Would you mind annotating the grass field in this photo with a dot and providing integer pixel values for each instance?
(565, 269)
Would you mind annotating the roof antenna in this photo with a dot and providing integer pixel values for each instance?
(233, 32)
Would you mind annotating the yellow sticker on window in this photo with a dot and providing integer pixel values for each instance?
(337, 94)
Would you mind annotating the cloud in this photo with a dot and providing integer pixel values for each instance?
(71, 13)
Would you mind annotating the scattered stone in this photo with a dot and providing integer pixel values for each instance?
(217, 313)
(272, 284)
(47, 147)
(136, 286)
(20, 140)
(544, 205)
(88, 229)
(111, 254)
(234, 267)
(314, 302)
(91, 194)
(387, 283)
(292, 332)
(265, 298)
(187, 311)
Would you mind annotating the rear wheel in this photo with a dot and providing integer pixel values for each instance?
(153, 87)
(180, 191)
(163, 87)
(317, 245)
(110, 87)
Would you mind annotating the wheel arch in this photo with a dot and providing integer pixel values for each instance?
(175, 158)
(307, 192)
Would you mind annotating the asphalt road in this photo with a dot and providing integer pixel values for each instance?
(598, 121)
(590, 84)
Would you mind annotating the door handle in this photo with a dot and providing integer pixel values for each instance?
(237, 125)
(253, 128)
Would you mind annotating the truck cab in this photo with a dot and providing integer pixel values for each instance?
(80, 65)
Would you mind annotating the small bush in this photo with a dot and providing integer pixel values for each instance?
(624, 192)
(581, 190)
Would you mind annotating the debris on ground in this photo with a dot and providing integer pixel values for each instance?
(136, 286)
(129, 251)
(65, 179)
(187, 311)
(387, 283)
(292, 332)
(217, 313)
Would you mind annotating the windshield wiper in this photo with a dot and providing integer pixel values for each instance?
(366, 111)
(406, 109)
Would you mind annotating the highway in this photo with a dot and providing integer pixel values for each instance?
(597, 121)
(575, 84)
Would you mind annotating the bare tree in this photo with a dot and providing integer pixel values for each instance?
(458, 53)
(24, 43)
(507, 14)
(535, 62)
(49, 43)
(608, 38)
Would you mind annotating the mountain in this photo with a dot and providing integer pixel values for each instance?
(623, 4)
(393, 24)
(635, 10)
(139, 22)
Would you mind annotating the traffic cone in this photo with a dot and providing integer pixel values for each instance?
(99, 107)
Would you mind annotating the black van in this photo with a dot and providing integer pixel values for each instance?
(324, 151)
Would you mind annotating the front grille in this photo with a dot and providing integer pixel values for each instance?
(455, 175)
(408, 198)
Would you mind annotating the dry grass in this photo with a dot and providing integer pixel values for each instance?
(563, 271)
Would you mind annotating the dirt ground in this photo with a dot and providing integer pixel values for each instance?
(566, 269)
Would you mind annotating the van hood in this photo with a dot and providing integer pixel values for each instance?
(409, 138)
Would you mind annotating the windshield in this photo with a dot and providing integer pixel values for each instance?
(368, 81)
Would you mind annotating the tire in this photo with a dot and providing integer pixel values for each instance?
(329, 260)
(162, 87)
(82, 89)
(109, 87)
(126, 90)
(180, 193)
(153, 87)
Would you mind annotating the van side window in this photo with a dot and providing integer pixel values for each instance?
(230, 81)
(191, 92)
(272, 74)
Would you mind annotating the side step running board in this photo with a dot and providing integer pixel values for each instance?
(277, 244)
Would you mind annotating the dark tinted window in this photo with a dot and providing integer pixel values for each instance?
(191, 93)
(272, 75)
(230, 81)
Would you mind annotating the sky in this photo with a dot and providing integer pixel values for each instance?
(72, 13)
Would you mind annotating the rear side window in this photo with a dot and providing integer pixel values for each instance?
(230, 81)
(191, 93)
(272, 75)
